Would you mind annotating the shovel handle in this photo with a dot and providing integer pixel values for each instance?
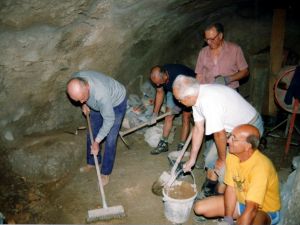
(123, 133)
(181, 154)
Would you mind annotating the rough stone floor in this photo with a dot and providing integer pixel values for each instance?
(68, 200)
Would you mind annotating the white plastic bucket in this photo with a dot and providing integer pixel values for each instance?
(178, 210)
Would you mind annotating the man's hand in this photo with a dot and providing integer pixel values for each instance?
(95, 148)
(188, 165)
(175, 110)
(201, 78)
(219, 170)
(85, 109)
(222, 80)
(152, 119)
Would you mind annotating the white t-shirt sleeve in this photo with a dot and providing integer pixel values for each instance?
(197, 114)
(213, 123)
(214, 118)
(212, 115)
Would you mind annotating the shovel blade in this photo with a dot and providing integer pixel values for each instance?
(160, 183)
(164, 178)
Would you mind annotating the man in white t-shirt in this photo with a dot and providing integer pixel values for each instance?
(217, 109)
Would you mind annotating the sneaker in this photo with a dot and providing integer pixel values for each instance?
(200, 195)
(161, 147)
(180, 146)
(209, 188)
(199, 219)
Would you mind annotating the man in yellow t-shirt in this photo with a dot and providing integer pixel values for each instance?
(252, 187)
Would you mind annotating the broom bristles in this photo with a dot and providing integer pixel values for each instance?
(105, 213)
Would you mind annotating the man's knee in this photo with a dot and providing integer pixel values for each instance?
(185, 123)
(199, 209)
(210, 207)
(169, 119)
(186, 116)
(261, 218)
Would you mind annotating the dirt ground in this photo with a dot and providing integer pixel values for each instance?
(68, 200)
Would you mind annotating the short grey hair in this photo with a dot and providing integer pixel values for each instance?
(253, 140)
(219, 27)
(186, 86)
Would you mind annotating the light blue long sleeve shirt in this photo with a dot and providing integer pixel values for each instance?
(105, 94)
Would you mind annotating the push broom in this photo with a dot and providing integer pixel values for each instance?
(106, 212)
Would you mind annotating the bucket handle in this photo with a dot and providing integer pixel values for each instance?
(173, 178)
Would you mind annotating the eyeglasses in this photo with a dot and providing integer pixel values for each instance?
(211, 39)
(233, 138)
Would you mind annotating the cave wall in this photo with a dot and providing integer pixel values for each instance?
(44, 42)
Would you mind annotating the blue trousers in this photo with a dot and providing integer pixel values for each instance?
(110, 140)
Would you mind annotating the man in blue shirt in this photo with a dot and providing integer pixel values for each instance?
(105, 100)
(163, 78)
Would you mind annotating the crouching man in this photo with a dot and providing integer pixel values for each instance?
(217, 109)
(252, 187)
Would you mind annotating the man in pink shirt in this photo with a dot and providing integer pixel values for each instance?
(220, 61)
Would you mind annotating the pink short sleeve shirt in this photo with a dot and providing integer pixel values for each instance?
(230, 61)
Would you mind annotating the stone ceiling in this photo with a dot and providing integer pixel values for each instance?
(43, 42)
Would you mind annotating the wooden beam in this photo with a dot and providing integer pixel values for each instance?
(276, 54)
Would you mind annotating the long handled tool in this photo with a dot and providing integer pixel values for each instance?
(106, 212)
(166, 179)
(180, 156)
(124, 141)
(123, 133)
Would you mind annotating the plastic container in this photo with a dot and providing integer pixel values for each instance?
(177, 210)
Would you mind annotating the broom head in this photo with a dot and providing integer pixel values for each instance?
(105, 213)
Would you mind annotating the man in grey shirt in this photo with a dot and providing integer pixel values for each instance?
(105, 100)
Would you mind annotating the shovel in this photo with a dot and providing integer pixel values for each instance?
(123, 133)
(166, 179)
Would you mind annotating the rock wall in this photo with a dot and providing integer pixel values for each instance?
(43, 42)
(290, 196)
(47, 158)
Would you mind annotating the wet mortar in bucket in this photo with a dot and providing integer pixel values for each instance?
(178, 201)
(181, 191)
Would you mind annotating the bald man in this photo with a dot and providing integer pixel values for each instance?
(252, 187)
(163, 77)
(217, 109)
(105, 100)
